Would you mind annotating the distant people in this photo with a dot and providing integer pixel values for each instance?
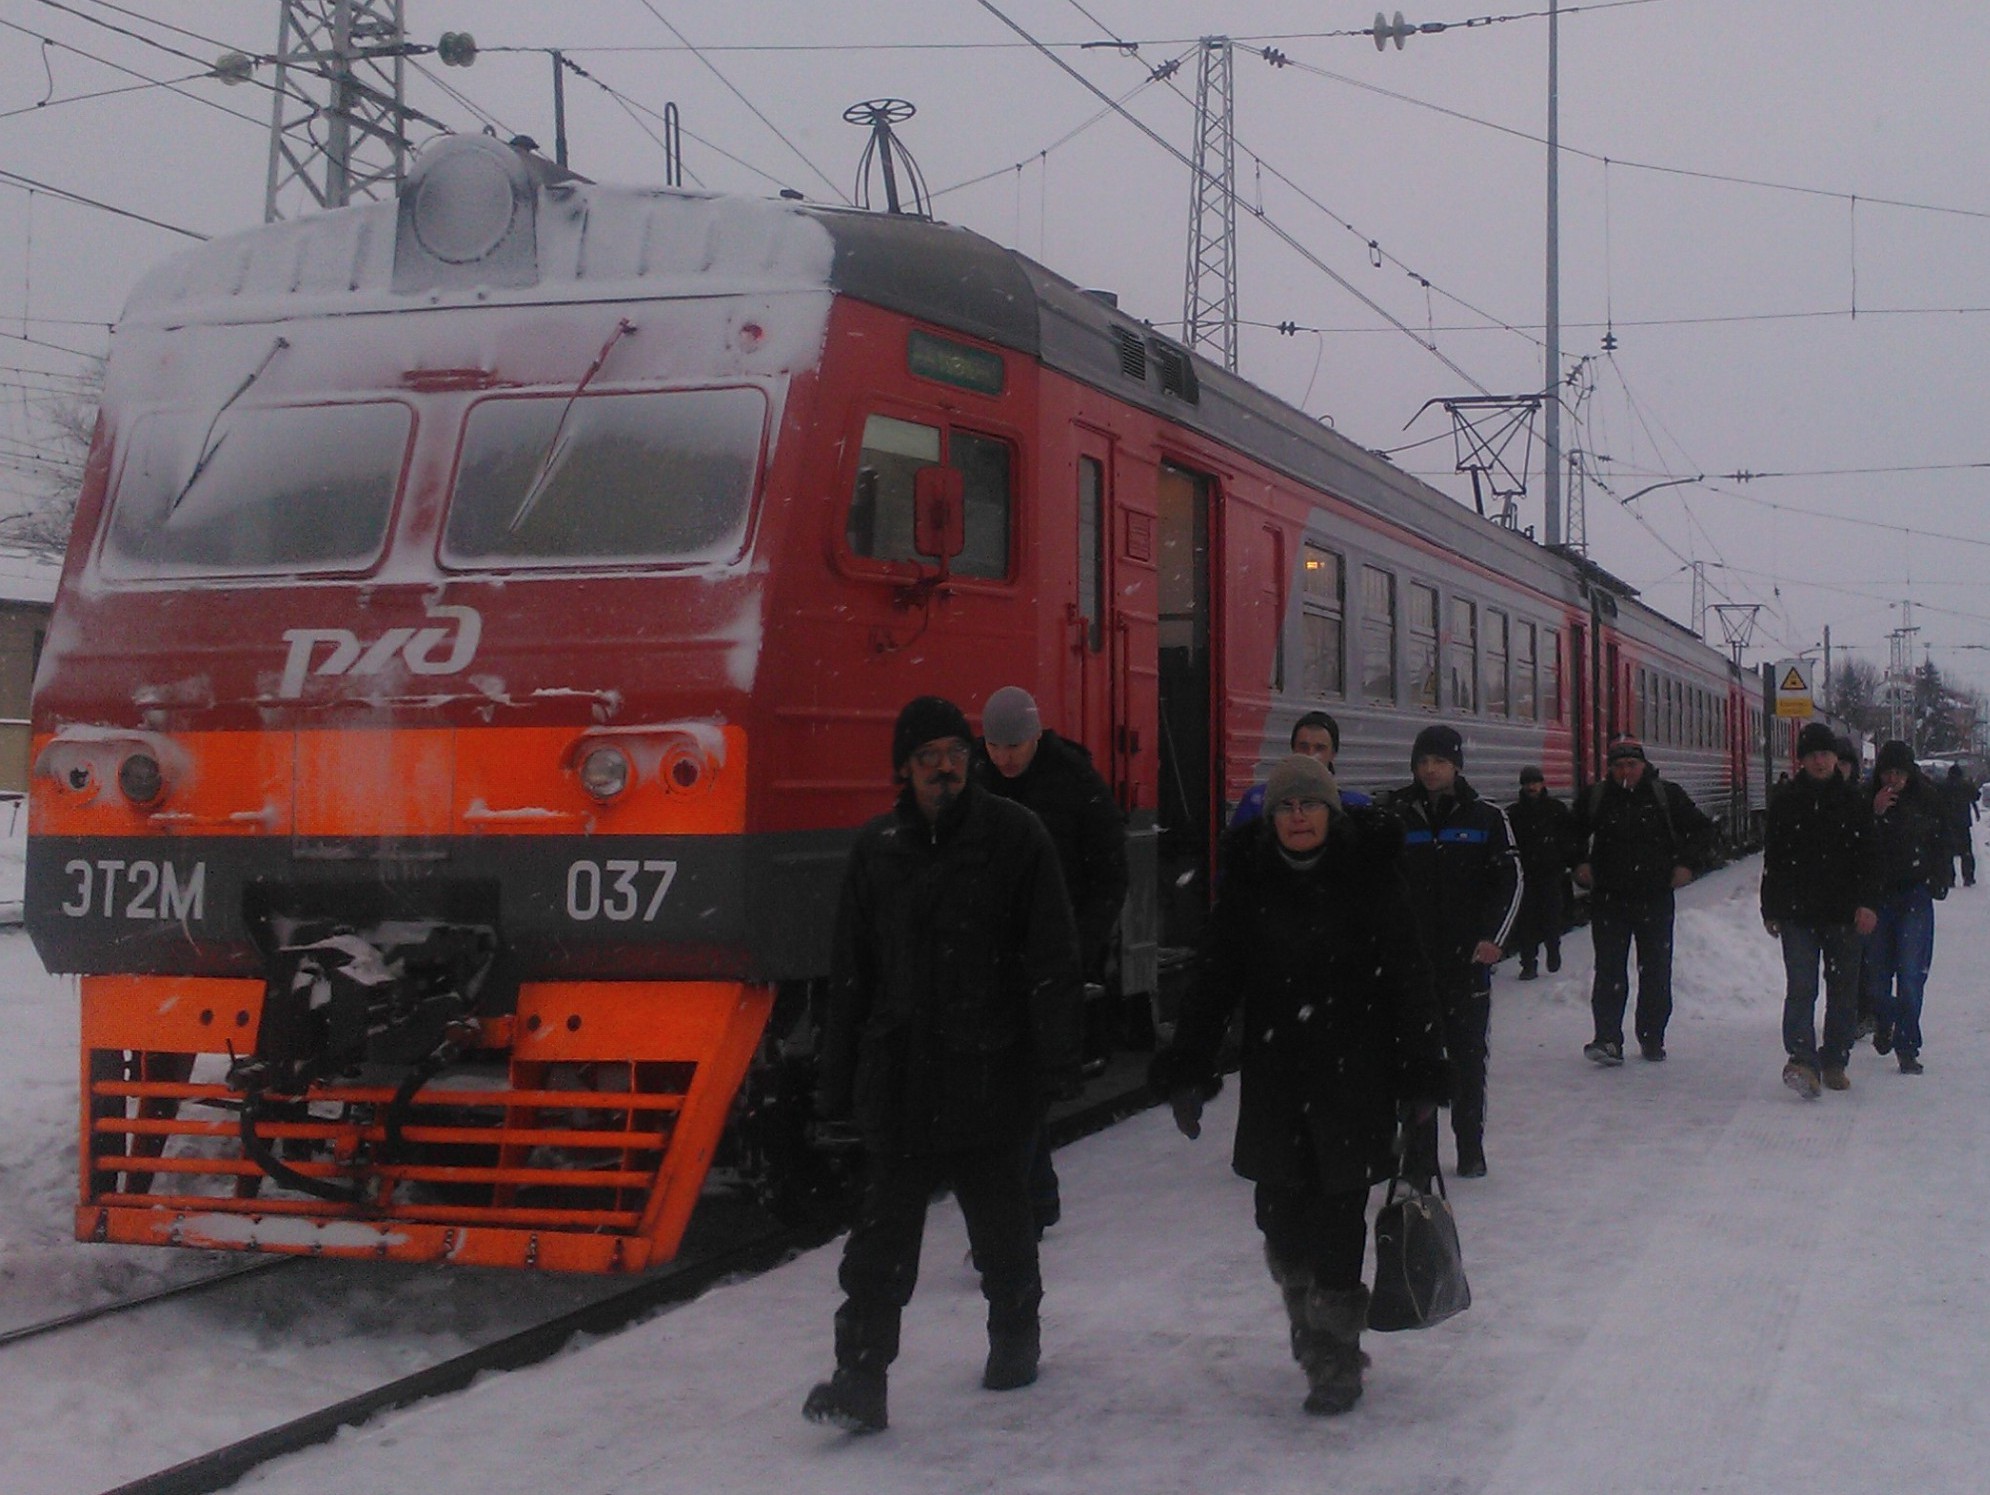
(953, 1014)
(1542, 826)
(1313, 935)
(1820, 890)
(1959, 803)
(1029, 764)
(1914, 869)
(1465, 886)
(1639, 838)
(1317, 735)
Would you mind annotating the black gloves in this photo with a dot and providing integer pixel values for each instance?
(1186, 1102)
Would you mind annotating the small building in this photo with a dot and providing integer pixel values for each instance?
(27, 597)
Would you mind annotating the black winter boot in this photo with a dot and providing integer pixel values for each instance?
(1293, 1285)
(1334, 1360)
(1012, 1357)
(853, 1400)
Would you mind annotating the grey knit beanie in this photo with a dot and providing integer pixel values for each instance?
(1010, 718)
(1300, 777)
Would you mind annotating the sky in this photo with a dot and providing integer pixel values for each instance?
(1774, 208)
(1684, 1277)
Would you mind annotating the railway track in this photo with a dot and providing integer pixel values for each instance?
(159, 1295)
(221, 1467)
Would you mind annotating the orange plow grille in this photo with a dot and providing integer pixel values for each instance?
(582, 1147)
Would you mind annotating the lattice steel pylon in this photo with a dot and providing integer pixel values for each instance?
(336, 123)
(1209, 296)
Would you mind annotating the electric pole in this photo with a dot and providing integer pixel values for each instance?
(336, 123)
(1209, 294)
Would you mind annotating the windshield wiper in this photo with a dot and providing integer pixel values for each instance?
(209, 442)
(557, 446)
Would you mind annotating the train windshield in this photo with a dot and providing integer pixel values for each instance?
(270, 489)
(575, 478)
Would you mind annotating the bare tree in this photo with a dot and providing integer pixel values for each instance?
(43, 520)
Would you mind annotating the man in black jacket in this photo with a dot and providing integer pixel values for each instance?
(953, 1017)
(1028, 763)
(1541, 830)
(1638, 838)
(1820, 885)
(1466, 886)
(1959, 805)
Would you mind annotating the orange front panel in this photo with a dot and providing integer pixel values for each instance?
(216, 784)
(368, 782)
(525, 781)
(174, 1014)
(583, 1020)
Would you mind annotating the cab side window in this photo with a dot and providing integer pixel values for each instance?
(880, 519)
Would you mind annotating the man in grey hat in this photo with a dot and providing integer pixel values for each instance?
(1027, 763)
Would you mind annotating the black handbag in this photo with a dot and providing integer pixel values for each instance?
(1419, 1271)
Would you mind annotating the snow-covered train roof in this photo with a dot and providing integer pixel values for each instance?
(570, 240)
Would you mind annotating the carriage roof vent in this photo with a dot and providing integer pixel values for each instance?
(1132, 354)
(1177, 371)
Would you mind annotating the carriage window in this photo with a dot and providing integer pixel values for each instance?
(288, 488)
(1497, 700)
(1526, 640)
(1423, 645)
(1378, 634)
(880, 523)
(664, 475)
(1324, 601)
(1464, 654)
(1552, 694)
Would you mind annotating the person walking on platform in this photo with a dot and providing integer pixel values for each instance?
(1313, 934)
(1027, 763)
(1959, 805)
(1639, 838)
(952, 1018)
(1915, 866)
(1466, 887)
(1317, 735)
(1541, 827)
(1820, 887)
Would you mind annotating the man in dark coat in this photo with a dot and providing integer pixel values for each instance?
(1959, 805)
(1541, 829)
(1638, 839)
(1915, 868)
(1312, 932)
(1465, 886)
(1026, 762)
(1820, 886)
(953, 1017)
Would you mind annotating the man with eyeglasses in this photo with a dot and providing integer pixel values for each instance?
(1466, 885)
(953, 1019)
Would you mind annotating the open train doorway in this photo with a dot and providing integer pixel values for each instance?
(1185, 803)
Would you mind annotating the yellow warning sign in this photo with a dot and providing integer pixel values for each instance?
(1793, 694)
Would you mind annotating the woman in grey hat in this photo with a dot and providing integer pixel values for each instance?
(1312, 932)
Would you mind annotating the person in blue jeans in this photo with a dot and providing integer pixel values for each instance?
(1820, 887)
(1915, 867)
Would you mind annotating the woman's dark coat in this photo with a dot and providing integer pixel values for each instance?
(954, 1002)
(1339, 1021)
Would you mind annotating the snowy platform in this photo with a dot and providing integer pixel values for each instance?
(1686, 1280)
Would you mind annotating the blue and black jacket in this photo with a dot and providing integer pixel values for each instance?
(1464, 871)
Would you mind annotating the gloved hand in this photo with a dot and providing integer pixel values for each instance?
(1775, 929)
(1186, 1102)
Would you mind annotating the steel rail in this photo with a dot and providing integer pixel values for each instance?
(222, 1467)
(157, 1295)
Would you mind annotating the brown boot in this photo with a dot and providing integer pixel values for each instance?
(1334, 1359)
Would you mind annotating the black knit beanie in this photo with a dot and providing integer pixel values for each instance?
(924, 719)
(1439, 742)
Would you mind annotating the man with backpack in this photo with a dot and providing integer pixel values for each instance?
(1639, 838)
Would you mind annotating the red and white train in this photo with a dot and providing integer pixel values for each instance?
(482, 629)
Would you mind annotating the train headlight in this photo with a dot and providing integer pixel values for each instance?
(141, 778)
(604, 772)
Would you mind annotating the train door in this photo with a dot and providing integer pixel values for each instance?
(1113, 631)
(1576, 702)
(1185, 808)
